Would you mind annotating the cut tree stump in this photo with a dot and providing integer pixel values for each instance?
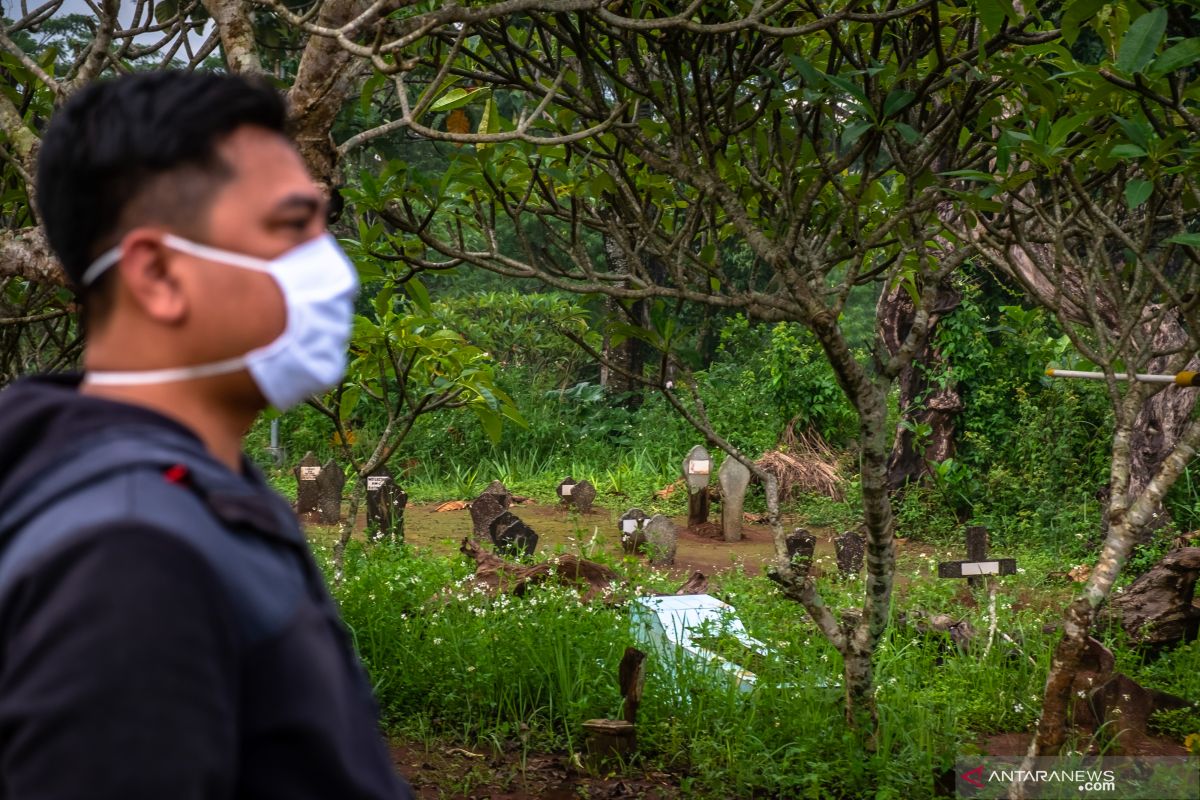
(1159, 608)
(608, 739)
(631, 677)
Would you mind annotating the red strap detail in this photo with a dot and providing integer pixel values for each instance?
(176, 474)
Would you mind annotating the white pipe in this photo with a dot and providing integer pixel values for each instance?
(1182, 379)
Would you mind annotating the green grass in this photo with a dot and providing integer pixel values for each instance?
(449, 662)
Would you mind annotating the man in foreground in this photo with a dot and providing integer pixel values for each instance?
(164, 632)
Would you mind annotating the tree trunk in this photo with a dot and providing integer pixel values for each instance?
(346, 531)
(1163, 417)
(1127, 519)
(1160, 423)
(627, 358)
(921, 402)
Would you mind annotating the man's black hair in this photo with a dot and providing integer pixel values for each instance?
(141, 149)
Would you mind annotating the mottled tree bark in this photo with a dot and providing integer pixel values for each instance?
(327, 76)
(1127, 518)
(921, 401)
(237, 35)
(1163, 417)
(26, 254)
(628, 357)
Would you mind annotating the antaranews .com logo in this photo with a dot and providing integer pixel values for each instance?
(1067, 777)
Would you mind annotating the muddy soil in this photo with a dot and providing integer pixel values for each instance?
(439, 772)
(592, 533)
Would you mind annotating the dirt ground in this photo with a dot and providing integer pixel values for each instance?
(453, 773)
(595, 532)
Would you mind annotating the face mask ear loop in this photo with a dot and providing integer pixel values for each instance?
(101, 265)
(216, 254)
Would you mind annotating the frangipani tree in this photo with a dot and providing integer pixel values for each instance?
(623, 153)
(1092, 201)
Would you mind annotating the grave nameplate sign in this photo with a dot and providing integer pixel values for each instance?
(385, 506)
(697, 468)
(583, 496)
(308, 497)
(566, 490)
(631, 524)
(977, 564)
(968, 569)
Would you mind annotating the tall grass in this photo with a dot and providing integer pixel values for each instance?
(451, 662)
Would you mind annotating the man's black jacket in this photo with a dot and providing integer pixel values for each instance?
(164, 632)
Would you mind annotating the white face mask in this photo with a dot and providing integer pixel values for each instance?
(318, 283)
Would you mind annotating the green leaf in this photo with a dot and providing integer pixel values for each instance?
(1137, 191)
(992, 14)
(370, 86)
(1127, 151)
(489, 122)
(492, 422)
(1078, 13)
(854, 132)
(349, 401)
(419, 294)
(897, 100)
(1065, 126)
(457, 98)
(1137, 131)
(848, 86)
(1141, 40)
(970, 174)
(1189, 239)
(1182, 55)
(165, 10)
(908, 132)
(808, 73)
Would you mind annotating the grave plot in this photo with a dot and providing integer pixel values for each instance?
(699, 632)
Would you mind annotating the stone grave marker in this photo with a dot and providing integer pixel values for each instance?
(566, 491)
(662, 539)
(800, 548)
(697, 470)
(977, 564)
(490, 504)
(307, 496)
(850, 547)
(631, 524)
(734, 477)
(583, 496)
(496, 487)
(330, 483)
(385, 505)
(511, 536)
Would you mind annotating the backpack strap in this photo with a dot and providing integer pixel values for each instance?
(96, 458)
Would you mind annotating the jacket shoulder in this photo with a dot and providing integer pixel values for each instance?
(262, 576)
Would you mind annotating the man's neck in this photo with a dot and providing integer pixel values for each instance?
(220, 429)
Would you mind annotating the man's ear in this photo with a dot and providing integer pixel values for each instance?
(148, 279)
